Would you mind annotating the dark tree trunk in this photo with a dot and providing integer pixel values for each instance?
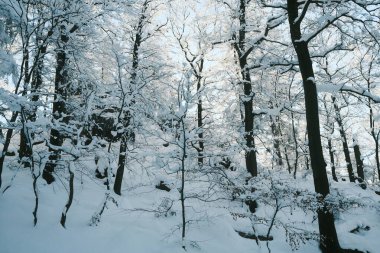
(240, 47)
(286, 152)
(200, 135)
(182, 193)
(36, 84)
(359, 161)
(56, 137)
(70, 200)
(328, 236)
(295, 145)
(276, 140)
(376, 138)
(59, 108)
(200, 115)
(121, 165)
(36, 199)
(294, 134)
(374, 135)
(330, 127)
(307, 161)
(25, 151)
(342, 132)
(332, 161)
(126, 114)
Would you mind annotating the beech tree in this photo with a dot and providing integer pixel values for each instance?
(128, 100)
(244, 47)
(136, 77)
(31, 28)
(296, 15)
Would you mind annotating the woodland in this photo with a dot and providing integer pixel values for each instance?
(155, 126)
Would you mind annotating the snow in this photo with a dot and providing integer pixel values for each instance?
(135, 226)
(334, 88)
(121, 228)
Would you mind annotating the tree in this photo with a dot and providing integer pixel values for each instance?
(25, 29)
(59, 112)
(328, 237)
(329, 125)
(243, 49)
(125, 115)
(367, 67)
(297, 14)
(196, 62)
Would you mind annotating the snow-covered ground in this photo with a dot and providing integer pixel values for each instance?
(134, 226)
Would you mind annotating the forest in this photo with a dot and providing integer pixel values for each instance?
(166, 126)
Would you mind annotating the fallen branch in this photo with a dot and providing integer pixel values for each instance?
(254, 237)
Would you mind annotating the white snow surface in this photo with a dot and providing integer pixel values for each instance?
(129, 228)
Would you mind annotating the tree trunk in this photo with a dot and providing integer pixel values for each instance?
(342, 132)
(200, 117)
(286, 152)
(377, 158)
(250, 155)
(127, 118)
(120, 165)
(295, 145)
(59, 109)
(294, 133)
(25, 151)
(330, 128)
(182, 196)
(276, 141)
(331, 153)
(328, 236)
(70, 200)
(36, 84)
(359, 161)
(373, 134)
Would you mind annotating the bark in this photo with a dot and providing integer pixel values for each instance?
(276, 141)
(200, 115)
(59, 108)
(35, 177)
(342, 132)
(25, 151)
(374, 135)
(332, 161)
(36, 84)
(70, 200)
(197, 69)
(328, 236)
(127, 118)
(330, 128)
(294, 133)
(182, 197)
(377, 153)
(359, 161)
(295, 145)
(36, 199)
(287, 159)
(120, 166)
(250, 155)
